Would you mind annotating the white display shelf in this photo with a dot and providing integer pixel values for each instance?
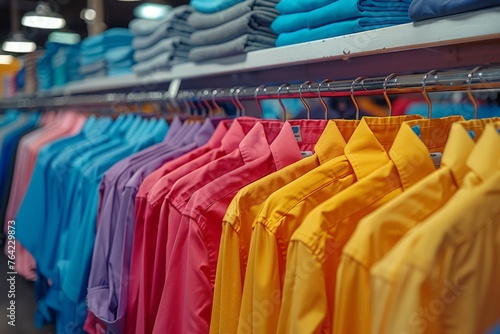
(437, 43)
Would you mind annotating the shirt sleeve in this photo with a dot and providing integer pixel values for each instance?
(228, 284)
(304, 302)
(261, 302)
(352, 312)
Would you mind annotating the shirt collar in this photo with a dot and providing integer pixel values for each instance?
(219, 133)
(410, 156)
(457, 150)
(367, 148)
(284, 147)
(204, 133)
(476, 126)
(237, 131)
(257, 141)
(174, 127)
(331, 144)
(485, 157)
(434, 132)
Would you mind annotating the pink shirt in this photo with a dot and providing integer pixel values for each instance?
(146, 229)
(192, 250)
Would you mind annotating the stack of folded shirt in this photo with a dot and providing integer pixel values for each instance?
(426, 9)
(313, 20)
(107, 53)
(243, 27)
(44, 70)
(158, 45)
(65, 64)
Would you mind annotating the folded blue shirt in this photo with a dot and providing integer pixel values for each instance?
(341, 10)
(294, 6)
(212, 6)
(116, 55)
(426, 9)
(335, 29)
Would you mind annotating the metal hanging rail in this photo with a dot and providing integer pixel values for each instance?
(455, 80)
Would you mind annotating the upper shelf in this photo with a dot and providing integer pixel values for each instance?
(427, 44)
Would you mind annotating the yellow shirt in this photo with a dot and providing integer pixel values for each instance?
(315, 248)
(377, 233)
(285, 208)
(405, 279)
(240, 215)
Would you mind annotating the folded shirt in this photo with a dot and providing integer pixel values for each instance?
(426, 9)
(255, 22)
(294, 6)
(163, 61)
(168, 29)
(336, 29)
(121, 64)
(98, 74)
(240, 45)
(212, 6)
(200, 20)
(141, 27)
(173, 44)
(93, 68)
(118, 54)
(341, 10)
(119, 71)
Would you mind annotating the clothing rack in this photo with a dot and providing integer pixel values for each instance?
(433, 81)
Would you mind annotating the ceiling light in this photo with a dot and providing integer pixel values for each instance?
(151, 11)
(43, 17)
(64, 37)
(6, 59)
(18, 44)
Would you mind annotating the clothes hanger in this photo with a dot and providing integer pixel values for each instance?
(308, 82)
(238, 91)
(325, 107)
(235, 101)
(283, 108)
(469, 92)
(387, 100)
(255, 96)
(353, 99)
(218, 109)
(426, 96)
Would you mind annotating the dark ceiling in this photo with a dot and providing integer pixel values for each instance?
(116, 14)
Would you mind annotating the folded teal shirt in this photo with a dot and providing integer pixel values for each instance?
(335, 29)
(212, 6)
(342, 10)
(294, 6)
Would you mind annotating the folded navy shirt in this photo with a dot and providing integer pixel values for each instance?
(427, 9)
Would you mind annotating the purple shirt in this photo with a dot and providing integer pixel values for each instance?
(108, 282)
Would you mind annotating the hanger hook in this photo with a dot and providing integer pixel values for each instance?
(199, 102)
(206, 93)
(387, 100)
(214, 102)
(281, 102)
(424, 93)
(238, 91)
(232, 92)
(325, 107)
(308, 82)
(353, 99)
(255, 96)
(469, 92)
